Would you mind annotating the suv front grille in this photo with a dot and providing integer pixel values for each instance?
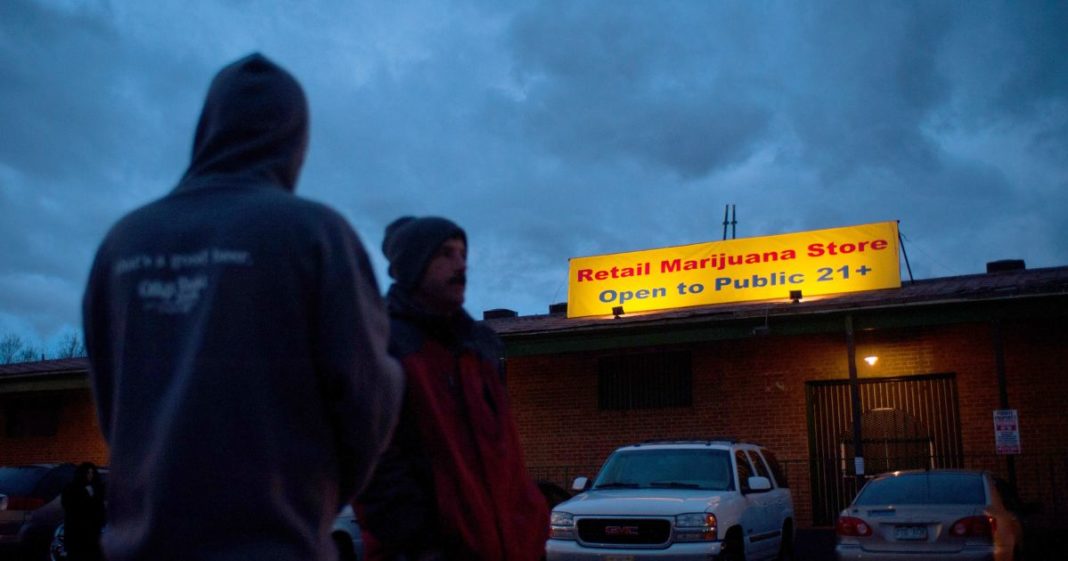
(624, 531)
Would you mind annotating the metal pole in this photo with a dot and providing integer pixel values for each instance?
(1003, 386)
(734, 223)
(726, 215)
(854, 396)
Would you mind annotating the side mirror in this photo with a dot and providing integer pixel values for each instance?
(580, 484)
(758, 484)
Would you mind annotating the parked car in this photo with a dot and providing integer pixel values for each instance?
(710, 499)
(57, 550)
(952, 515)
(345, 534)
(33, 508)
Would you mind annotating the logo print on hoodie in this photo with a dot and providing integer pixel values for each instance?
(171, 297)
(178, 295)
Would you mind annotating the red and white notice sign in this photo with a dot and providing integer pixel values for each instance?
(1006, 431)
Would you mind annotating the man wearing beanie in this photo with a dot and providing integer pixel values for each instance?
(238, 347)
(452, 485)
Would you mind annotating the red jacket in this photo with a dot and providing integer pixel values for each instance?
(453, 479)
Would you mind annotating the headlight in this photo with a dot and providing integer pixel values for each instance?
(695, 527)
(561, 525)
(558, 518)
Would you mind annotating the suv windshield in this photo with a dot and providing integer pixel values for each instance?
(681, 469)
(924, 488)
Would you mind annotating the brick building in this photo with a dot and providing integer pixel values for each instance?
(47, 414)
(950, 352)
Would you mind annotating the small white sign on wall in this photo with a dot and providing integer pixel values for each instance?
(1006, 431)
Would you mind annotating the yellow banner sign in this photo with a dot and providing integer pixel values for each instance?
(832, 261)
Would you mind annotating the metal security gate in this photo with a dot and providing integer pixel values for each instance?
(912, 422)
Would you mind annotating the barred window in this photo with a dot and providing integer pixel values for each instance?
(645, 381)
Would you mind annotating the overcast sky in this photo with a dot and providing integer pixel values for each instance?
(552, 130)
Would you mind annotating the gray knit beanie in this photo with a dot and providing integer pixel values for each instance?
(409, 243)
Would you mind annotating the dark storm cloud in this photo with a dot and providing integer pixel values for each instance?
(75, 92)
(553, 129)
(83, 142)
(654, 82)
(900, 111)
(866, 80)
(1034, 43)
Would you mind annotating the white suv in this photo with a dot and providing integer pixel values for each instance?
(715, 499)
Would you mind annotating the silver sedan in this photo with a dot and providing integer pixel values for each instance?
(952, 515)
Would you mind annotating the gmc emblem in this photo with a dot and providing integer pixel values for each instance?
(621, 530)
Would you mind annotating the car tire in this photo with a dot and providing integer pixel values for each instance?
(343, 543)
(57, 550)
(733, 546)
(786, 544)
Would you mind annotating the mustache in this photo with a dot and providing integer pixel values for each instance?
(458, 278)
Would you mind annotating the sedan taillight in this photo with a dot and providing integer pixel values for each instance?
(24, 503)
(974, 527)
(850, 526)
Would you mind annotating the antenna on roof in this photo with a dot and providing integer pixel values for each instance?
(901, 242)
(726, 212)
(730, 217)
(734, 223)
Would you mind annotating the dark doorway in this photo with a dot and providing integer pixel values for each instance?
(911, 422)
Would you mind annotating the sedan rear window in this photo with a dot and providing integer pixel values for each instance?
(924, 488)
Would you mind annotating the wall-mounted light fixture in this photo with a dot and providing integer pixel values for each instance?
(871, 360)
(617, 311)
(795, 296)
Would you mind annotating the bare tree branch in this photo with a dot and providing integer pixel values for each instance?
(70, 346)
(29, 354)
(10, 348)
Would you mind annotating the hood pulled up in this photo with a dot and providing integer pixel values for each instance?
(254, 123)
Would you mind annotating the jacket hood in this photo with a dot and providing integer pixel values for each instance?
(254, 123)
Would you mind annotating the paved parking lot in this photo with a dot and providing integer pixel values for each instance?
(815, 545)
(818, 545)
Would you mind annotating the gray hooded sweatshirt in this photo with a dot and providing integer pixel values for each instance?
(237, 342)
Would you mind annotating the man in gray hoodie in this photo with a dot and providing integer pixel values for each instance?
(237, 343)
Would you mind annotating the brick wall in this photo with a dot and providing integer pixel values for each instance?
(77, 439)
(754, 389)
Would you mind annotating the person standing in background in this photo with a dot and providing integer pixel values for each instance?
(452, 485)
(83, 514)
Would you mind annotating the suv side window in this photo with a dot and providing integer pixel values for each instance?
(776, 468)
(761, 469)
(744, 470)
